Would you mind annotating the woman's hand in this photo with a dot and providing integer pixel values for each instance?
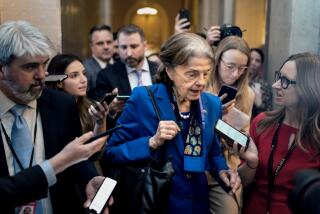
(99, 112)
(227, 106)
(213, 34)
(167, 130)
(180, 25)
(250, 155)
(231, 178)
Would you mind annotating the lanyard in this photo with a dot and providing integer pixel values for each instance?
(272, 175)
(9, 142)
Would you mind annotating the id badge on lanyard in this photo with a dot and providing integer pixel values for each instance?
(29, 208)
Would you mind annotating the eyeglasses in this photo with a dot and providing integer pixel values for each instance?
(232, 67)
(285, 82)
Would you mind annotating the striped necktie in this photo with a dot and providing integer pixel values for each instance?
(139, 77)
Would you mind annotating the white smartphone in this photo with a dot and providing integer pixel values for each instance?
(231, 134)
(102, 196)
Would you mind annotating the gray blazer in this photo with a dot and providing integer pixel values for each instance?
(92, 68)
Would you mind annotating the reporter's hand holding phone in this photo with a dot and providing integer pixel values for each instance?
(213, 34)
(117, 105)
(248, 168)
(99, 112)
(91, 189)
(76, 151)
(181, 25)
(227, 106)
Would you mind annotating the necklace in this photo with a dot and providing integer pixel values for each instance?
(185, 115)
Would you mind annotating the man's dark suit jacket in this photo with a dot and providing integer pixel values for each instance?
(27, 185)
(116, 76)
(92, 68)
(60, 124)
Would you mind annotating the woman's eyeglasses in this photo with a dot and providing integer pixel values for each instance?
(232, 67)
(285, 82)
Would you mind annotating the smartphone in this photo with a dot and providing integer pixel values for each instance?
(231, 134)
(108, 132)
(185, 14)
(123, 97)
(230, 91)
(108, 97)
(103, 194)
(55, 78)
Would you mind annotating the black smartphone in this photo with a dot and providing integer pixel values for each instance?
(185, 14)
(231, 134)
(123, 97)
(108, 97)
(108, 132)
(102, 196)
(55, 78)
(230, 91)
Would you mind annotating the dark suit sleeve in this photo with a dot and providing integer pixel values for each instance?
(28, 185)
(102, 83)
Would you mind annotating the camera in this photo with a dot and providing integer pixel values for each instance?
(304, 197)
(229, 30)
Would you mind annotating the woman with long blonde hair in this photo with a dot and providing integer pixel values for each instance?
(232, 58)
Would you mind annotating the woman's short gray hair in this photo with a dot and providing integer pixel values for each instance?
(178, 49)
(20, 38)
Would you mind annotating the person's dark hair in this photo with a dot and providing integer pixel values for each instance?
(115, 35)
(260, 52)
(131, 29)
(177, 50)
(60, 62)
(99, 28)
(58, 65)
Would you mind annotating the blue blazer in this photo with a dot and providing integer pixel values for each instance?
(130, 144)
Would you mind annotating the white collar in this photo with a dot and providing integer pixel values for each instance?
(6, 104)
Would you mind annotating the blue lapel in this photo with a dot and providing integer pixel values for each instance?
(207, 132)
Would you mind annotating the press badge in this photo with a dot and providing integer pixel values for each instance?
(29, 208)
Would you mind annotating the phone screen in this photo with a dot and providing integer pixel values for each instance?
(230, 91)
(108, 97)
(102, 195)
(123, 97)
(231, 133)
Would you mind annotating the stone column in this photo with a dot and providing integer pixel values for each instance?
(45, 15)
(105, 11)
(209, 13)
(293, 27)
(228, 12)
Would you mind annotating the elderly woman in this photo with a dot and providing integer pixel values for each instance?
(186, 131)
